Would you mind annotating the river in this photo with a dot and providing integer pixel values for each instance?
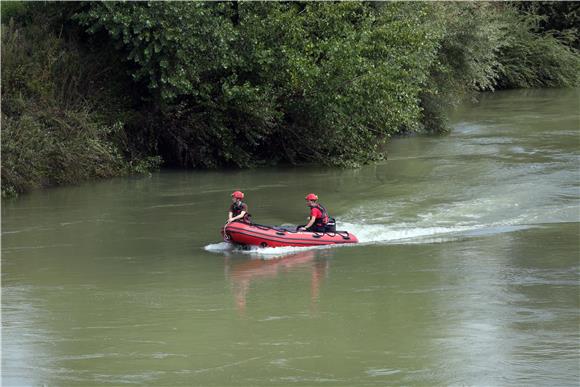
(467, 272)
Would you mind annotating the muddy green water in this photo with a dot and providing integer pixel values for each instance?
(467, 274)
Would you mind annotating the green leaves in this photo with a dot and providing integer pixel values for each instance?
(532, 58)
(346, 74)
(322, 82)
(173, 44)
(245, 83)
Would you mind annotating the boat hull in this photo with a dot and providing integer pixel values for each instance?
(268, 236)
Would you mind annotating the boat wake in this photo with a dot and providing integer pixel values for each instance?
(406, 234)
(261, 252)
(478, 217)
(371, 234)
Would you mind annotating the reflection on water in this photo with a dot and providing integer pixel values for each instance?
(242, 273)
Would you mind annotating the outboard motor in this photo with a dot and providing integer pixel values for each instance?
(331, 225)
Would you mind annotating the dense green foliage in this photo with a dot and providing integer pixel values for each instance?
(49, 130)
(559, 18)
(532, 59)
(60, 108)
(466, 61)
(102, 88)
(329, 82)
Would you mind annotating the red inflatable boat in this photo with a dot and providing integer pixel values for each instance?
(271, 236)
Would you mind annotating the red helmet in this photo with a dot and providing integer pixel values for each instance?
(238, 195)
(311, 196)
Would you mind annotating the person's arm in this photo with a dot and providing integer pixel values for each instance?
(229, 217)
(237, 217)
(310, 222)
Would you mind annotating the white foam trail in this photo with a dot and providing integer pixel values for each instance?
(259, 252)
(222, 246)
(376, 233)
(440, 224)
(366, 234)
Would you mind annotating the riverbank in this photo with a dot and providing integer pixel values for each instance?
(94, 90)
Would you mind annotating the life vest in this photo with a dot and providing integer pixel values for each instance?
(237, 210)
(322, 221)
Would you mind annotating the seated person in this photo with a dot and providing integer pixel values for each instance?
(318, 219)
(238, 209)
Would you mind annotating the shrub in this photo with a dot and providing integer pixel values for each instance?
(531, 58)
(94, 89)
(55, 126)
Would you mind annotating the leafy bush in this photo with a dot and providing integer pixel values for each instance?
(55, 126)
(346, 75)
(537, 59)
(96, 89)
(558, 18)
(331, 81)
(470, 36)
(12, 10)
